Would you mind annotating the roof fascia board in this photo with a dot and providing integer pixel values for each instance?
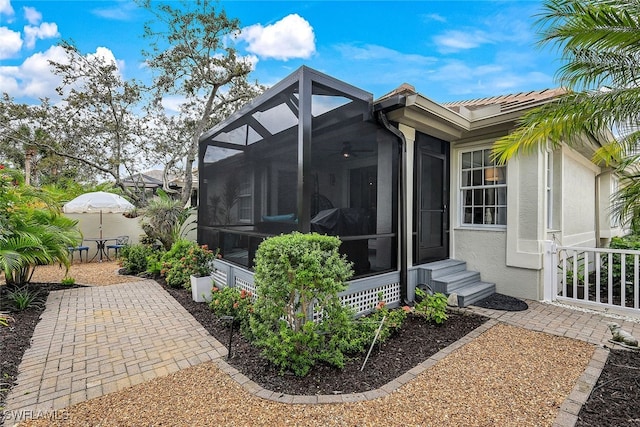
(425, 123)
(438, 111)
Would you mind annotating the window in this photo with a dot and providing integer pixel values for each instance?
(483, 188)
(244, 200)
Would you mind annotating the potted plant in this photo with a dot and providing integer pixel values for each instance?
(187, 265)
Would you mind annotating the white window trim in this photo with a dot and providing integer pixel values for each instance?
(460, 192)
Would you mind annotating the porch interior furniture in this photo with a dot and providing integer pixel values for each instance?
(80, 249)
(121, 242)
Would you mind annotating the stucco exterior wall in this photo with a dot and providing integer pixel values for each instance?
(578, 187)
(113, 224)
(485, 251)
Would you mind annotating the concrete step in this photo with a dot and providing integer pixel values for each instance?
(443, 268)
(452, 282)
(474, 292)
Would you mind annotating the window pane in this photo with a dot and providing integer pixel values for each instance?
(467, 216)
(478, 216)
(502, 179)
(490, 196)
(468, 197)
(501, 216)
(489, 215)
(466, 160)
(502, 195)
(477, 178)
(477, 197)
(477, 159)
(466, 178)
(487, 158)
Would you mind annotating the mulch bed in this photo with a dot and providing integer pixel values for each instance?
(414, 343)
(615, 399)
(613, 402)
(502, 302)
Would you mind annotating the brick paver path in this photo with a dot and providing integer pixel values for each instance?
(96, 340)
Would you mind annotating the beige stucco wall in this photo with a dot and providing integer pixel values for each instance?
(508, 256)
(113, 224)
(485, 251)
(578, 188)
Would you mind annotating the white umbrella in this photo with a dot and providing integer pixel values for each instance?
(98, 201)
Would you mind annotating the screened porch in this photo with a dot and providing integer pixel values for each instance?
(308, 156)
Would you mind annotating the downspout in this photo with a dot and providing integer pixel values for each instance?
(402, 202)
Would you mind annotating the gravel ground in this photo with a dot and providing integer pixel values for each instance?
(92, 273)
(507, 377)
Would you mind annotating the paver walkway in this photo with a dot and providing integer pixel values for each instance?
(96, 340)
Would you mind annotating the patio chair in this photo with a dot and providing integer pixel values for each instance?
(121, 242)
(80, 249)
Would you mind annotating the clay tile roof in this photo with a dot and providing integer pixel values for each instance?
(507, 102)
(403, 89)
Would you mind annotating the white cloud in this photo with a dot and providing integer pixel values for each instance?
(46, 30)
(291, 37)
(173, 104)
(460, 79)
(32, 15)
(434, 17)
(106, 55)
(10, 42)
(371, 52)
(33, 78)
(123, 11)
(5, 8)
(455, 41)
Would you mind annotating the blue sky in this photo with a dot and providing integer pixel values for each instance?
(448, 50)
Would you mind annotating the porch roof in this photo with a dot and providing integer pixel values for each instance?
(303, 96)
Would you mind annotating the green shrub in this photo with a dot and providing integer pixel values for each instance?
(431, 307)
(68, 281)
(23, 298)
(154, 263)
(296, 274)
(134, 258)
(359, 336)
(234, 302)
(186, 258)
(630, 242)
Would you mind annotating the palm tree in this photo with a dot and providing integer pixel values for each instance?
(164, 219)
(600, 45)
(33, 230)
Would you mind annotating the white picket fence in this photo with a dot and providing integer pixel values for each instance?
(598, 277)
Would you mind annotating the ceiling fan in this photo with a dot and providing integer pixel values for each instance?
(348, 151)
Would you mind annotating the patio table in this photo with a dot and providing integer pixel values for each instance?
(101, 243)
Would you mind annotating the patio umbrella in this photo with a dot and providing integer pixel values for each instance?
(98, 202)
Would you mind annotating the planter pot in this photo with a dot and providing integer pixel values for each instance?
(201, 288)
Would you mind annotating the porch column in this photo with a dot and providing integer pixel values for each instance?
(304, 153)
(410, 137)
